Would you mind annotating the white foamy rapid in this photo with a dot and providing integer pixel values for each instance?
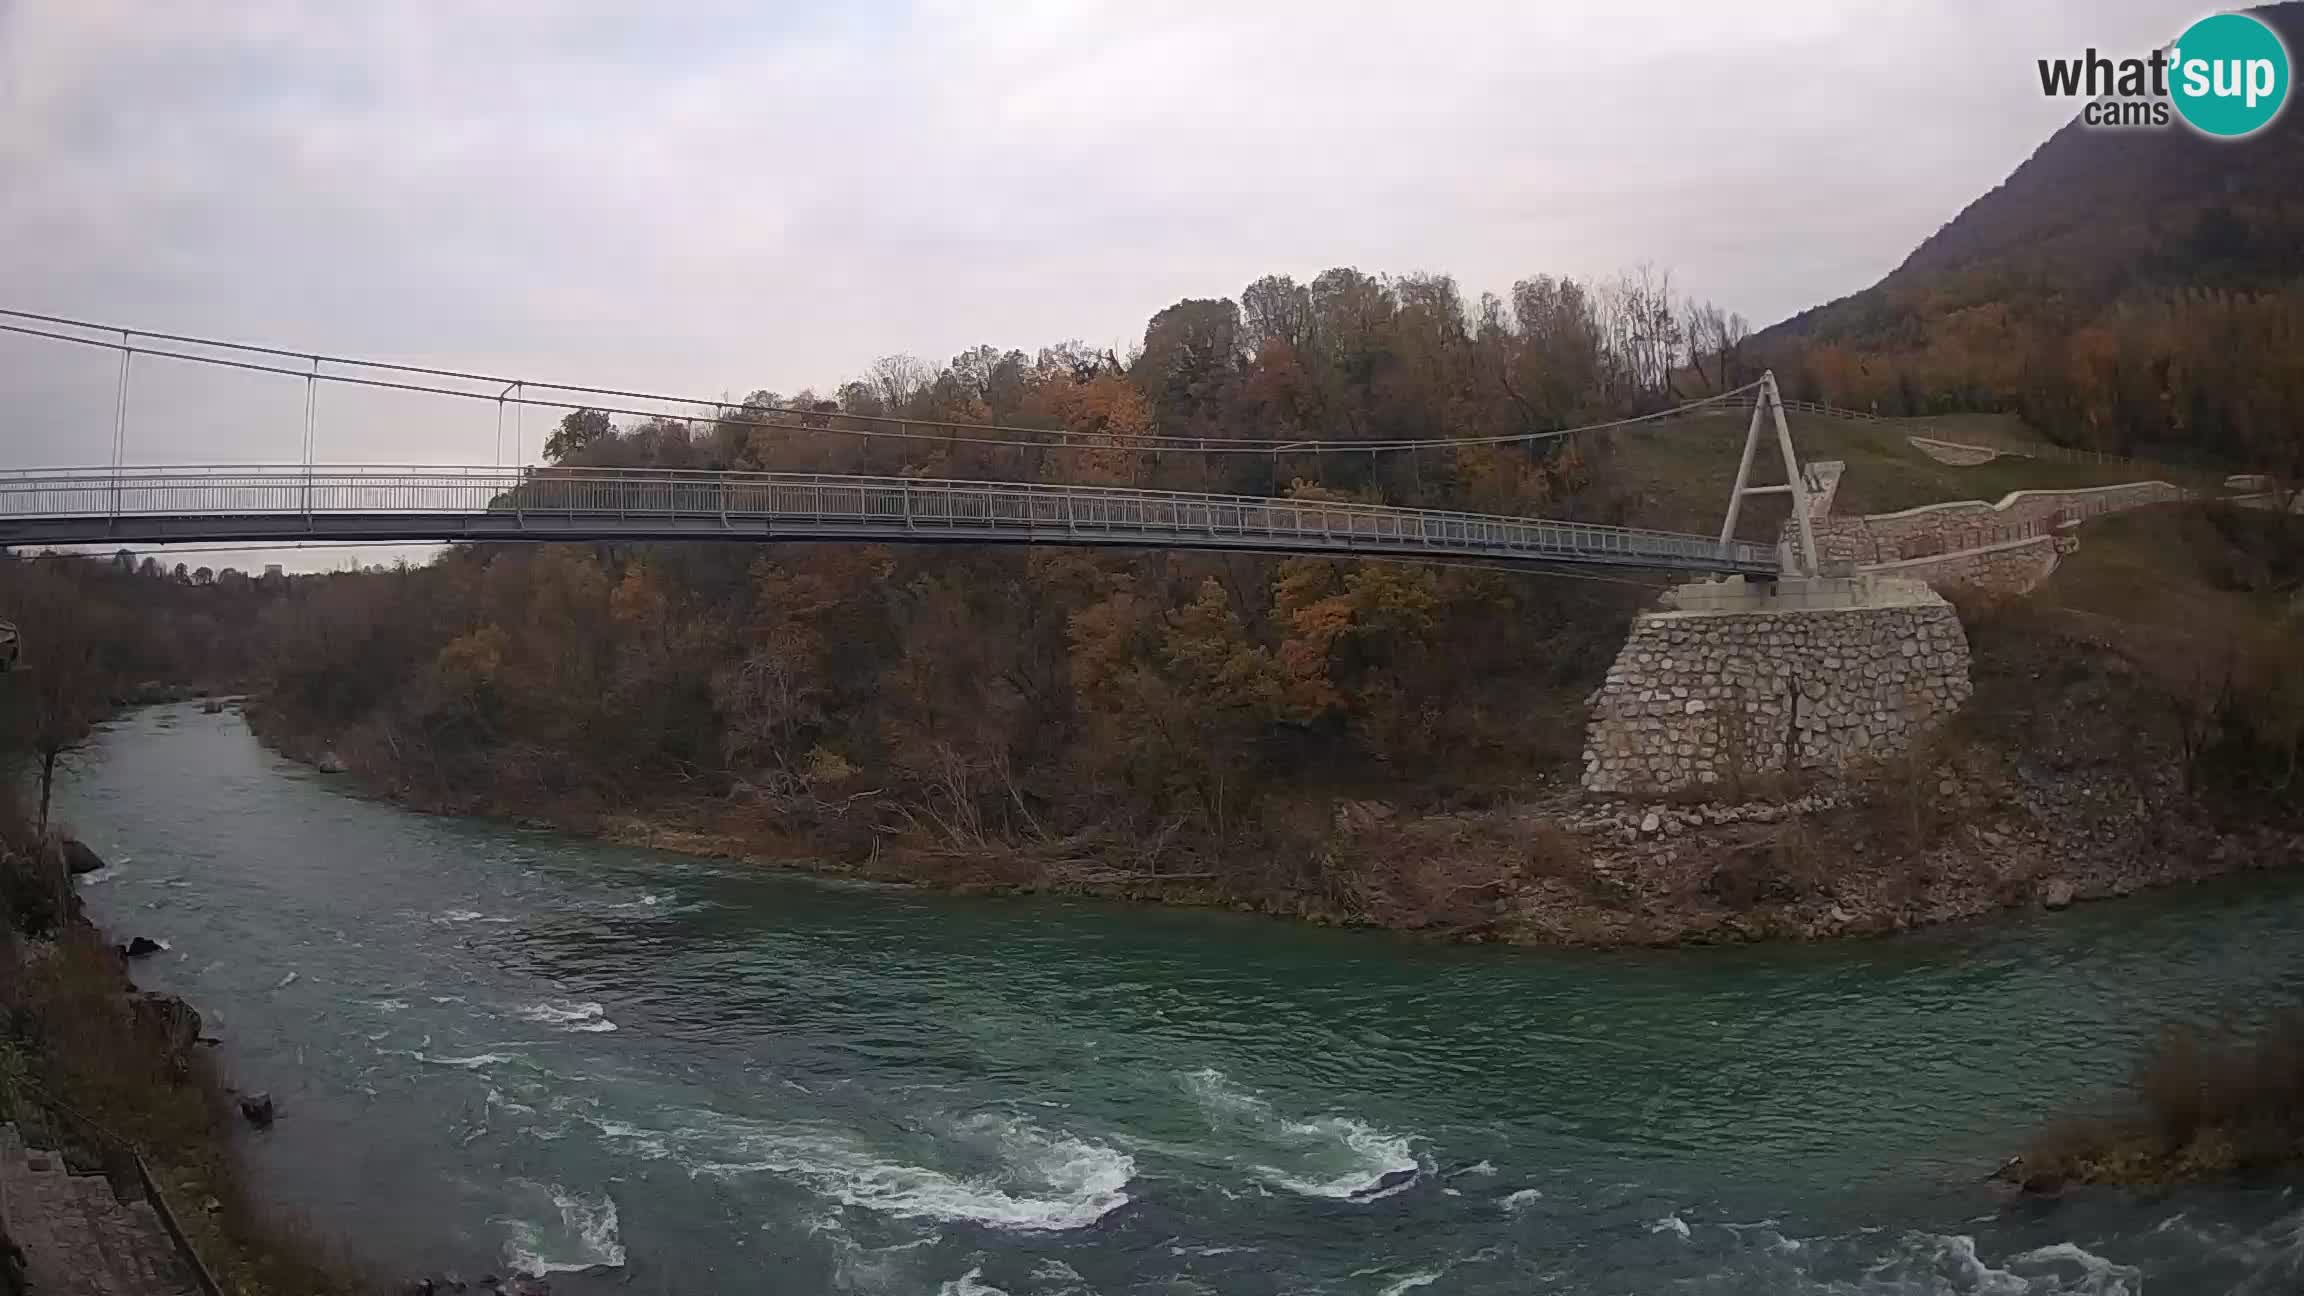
(470, 916)
(582, 1236)
(497, 1099)
(1038, 1180)
(1950, 1263)
(645, 904)
(970, 1283)
(1337, 1157)
(472, 1063)
(589, 1018)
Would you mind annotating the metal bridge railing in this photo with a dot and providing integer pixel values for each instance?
(554, 499)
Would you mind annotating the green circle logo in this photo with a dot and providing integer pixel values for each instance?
(2228, 75)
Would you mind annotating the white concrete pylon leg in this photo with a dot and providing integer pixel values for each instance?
(1766, 403)
(1743, 470)
(1799, 484)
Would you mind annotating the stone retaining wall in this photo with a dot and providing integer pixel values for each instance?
(1702, 697)
(2011, 567)
(1968, 524)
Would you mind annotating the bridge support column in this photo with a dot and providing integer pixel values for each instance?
(1732, 679)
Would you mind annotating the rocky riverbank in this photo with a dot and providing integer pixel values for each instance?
(2064, 780)
(92, 1066)
(2204, 1105)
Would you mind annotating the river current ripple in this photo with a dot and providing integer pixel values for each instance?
(497, 1049)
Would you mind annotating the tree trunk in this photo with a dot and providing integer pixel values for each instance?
(47, 785)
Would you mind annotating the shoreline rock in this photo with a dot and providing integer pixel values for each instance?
(258, 1109)
(78, 857)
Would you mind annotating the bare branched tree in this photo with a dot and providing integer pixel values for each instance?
(65, 684)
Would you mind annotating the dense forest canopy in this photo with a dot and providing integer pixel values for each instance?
(1349, 357)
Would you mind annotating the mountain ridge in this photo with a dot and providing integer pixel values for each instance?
(2142, 187)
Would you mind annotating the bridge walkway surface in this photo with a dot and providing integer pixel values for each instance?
(271, 503)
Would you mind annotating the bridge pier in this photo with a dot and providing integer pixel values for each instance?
(1728, 679)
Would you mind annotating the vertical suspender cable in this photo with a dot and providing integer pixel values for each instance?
(520, 451)
(311, 402)
(120, 422)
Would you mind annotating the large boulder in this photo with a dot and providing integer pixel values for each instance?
(258, 1109)
(80, 859)
(170, 1023)
(331, 763)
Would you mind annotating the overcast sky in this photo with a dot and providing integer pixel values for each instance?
(701, 196)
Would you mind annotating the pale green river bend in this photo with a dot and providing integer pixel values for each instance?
(495, 1048)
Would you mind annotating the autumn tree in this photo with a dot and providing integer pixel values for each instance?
(578, 430)
(1192, 357)
(1177, 697)
(1276, 310)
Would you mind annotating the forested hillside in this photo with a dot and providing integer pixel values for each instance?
(2135, 291)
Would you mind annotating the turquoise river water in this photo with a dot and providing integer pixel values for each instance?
(495, 1048)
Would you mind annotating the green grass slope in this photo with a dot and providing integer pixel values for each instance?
(1675, 474)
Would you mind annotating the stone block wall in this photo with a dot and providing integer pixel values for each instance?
(1698, 697)
(2014, 567)
(1947, 528)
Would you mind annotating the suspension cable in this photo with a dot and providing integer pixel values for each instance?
(773, 416)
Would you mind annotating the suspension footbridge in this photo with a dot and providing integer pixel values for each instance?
(310, 502)
(400, 504)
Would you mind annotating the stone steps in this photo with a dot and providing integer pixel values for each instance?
(77, 1238)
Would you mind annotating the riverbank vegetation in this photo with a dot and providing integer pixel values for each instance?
(2204, 1103)
(101, 631)
(85, 1061)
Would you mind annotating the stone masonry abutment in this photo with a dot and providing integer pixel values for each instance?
(1733, 678)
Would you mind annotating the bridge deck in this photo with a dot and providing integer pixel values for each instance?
(274, 503)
